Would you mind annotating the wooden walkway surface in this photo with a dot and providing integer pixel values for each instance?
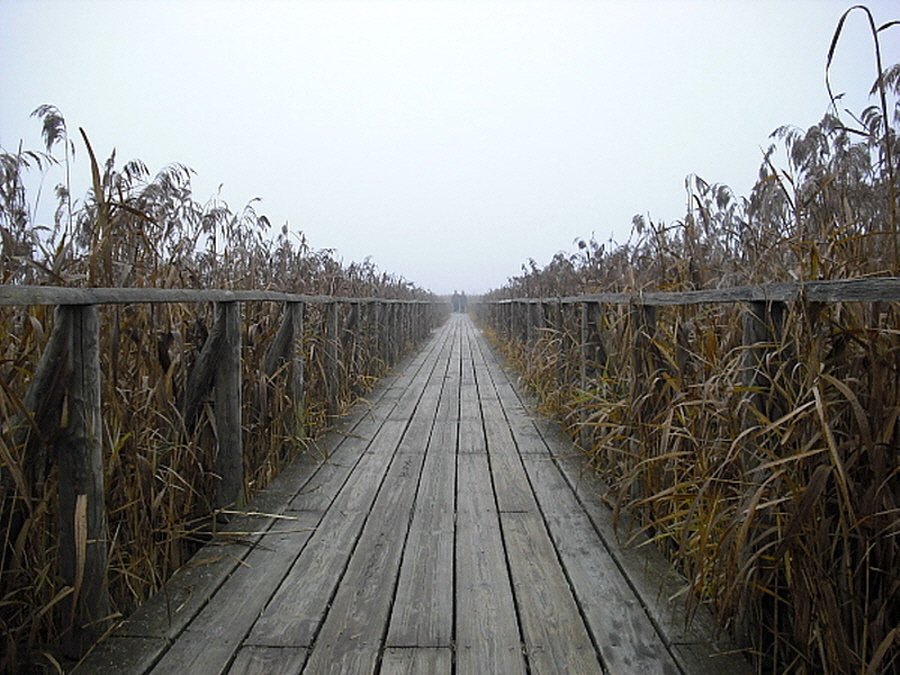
(447, 530)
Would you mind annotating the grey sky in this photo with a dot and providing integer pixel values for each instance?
(449, 141)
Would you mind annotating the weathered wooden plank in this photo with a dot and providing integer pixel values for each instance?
(625, 635)
(350, 638)
(510, 482)
(331, 475)
(170, 610)
(647, 569)
(253, 660)
(214, 636)
(471, 427)
(654, 580)
(882, 289)
(417, 661)
(650, 574)
(556, 639)
(354, 580)
(518, 416)
(487, 633)
(423, 607)
(293, 616)
(173, 609)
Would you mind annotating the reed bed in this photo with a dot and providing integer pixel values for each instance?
(778, 499)
(136, 229)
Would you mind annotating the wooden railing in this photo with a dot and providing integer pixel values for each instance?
(760, 395)
(68, 379)
(522, 319)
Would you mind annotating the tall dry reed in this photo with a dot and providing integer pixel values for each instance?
(139, 229)
(779, 501)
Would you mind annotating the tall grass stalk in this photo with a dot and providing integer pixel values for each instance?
(777, 498)
(139, 229)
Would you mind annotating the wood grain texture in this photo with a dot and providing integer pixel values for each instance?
(417, 661)
(354, 624)
(487, 630)
(252, 660)
(627, 640)
(555, 636)
(423, 606)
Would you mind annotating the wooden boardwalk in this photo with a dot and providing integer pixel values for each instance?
(446, 530)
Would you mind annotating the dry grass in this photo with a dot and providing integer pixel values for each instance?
(778, 498)
(136, 229)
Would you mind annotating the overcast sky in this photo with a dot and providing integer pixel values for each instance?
(448, 141)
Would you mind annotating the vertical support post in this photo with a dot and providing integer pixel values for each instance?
(644, 318)
(230, 453)
(332, 374)
(377, 330)
(763, 324)
(395, 332)
(350, 341)
(529, 322)
(762, 329)
(82, 497)
(584, 436)
(401, 329)
(643, 367)
(584, 346)
(387, 342)
(298, 367)
(560, 329)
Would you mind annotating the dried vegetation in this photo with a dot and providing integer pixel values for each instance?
(137, 229)
(779, 499)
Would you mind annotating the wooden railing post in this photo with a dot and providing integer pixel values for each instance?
(402, 328)
(82, 497)
(644, 322)
(585, 350)
(350, 339)
(376, 329)
(530, 333)
(298, 367)
(558, 320)
(230, 451)
(386, 310)
(395, 332)
(762, 329)
(332, 366)
(584, 436)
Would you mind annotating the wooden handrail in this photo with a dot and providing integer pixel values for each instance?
(71, 360)
(876, 289)
(63, 295)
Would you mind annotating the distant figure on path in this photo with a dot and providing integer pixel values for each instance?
(463, 303)
(456, 301)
